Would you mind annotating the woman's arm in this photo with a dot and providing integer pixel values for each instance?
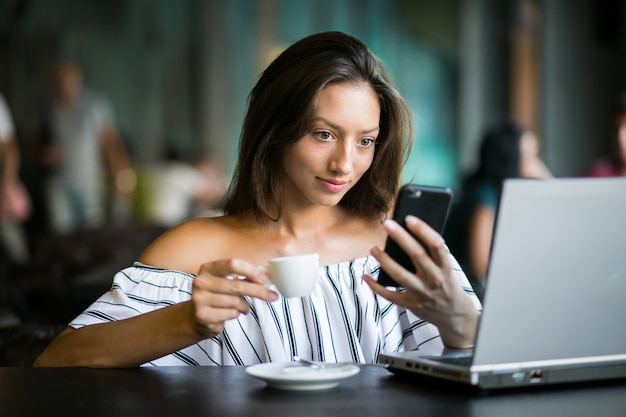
(123, 343)
(139, 339)
(480, 230)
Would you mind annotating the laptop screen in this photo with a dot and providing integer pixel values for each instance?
(556, 286)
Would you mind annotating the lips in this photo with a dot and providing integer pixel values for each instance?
(334, 186)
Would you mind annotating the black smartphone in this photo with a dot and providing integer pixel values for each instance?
(429, 203)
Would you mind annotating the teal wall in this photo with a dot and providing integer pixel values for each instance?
(424, 72)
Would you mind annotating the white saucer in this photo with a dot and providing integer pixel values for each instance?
(294, 376)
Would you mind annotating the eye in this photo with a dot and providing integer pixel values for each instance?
(366, 143)
(323, 135)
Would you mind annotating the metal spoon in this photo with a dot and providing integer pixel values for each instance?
(310, 364)
(317, 365)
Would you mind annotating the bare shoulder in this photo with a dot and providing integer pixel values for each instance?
(189, 244)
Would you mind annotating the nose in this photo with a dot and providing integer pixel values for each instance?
(341, 158)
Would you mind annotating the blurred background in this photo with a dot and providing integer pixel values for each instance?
(176, 75)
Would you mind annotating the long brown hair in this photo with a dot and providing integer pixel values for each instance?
(281, 108)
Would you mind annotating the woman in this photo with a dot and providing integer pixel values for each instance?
(614, 163)
(508, 150)
(319, 166)
(15, 203)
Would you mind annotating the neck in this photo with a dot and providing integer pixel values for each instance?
(308, 222)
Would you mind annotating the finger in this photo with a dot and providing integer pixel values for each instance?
(223, 309)
(213, 319)
(396, 271)
(422, 230)
(432, 239)
(402, 298)
(210, 284)
(403, 238)
(374, 285)
(420, 258)
(441, 255)
(216, 293)
(241, 287)
(235, 267)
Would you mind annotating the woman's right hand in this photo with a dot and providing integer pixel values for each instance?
(218, 291)
(432, 291)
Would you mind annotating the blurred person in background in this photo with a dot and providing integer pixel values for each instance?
(508, 150)
(179, 189)
(209, 198)
(614, 163)
(83, 144)
(15, 203)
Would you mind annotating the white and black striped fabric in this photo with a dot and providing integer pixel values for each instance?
(343, 320)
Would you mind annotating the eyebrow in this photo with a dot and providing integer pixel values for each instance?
(336, 127)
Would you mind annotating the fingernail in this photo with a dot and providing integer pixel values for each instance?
(374, 250)
(390, 225)
(273, 296)
(410, 219)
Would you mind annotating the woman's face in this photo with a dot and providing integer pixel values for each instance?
(621, 139)
(67, 82)
(338, 148)
(530, 164)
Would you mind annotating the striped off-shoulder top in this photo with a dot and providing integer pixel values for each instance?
(343, 320)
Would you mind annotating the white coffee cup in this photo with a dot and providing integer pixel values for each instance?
(293, 276)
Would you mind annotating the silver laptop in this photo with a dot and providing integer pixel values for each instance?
(554, 309)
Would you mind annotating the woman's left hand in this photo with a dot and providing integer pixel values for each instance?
(431, 292)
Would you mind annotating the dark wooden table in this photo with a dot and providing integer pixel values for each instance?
(229, 392)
